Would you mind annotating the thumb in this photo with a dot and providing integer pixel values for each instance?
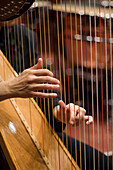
(65, 112)
(62, 115)
(62, 104)
(38, 65)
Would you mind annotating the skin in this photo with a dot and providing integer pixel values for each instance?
(72, 114)
(29, 83)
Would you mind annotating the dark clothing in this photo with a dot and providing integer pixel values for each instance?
(86, 155)
(18, 43)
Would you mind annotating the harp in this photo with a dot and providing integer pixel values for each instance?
(74, 39)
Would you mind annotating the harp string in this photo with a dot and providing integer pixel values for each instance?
(48, 54)
(64, 67)
(90, 23)
(18, 47)
(34, 57)
(101, 60)
(9, 29)
(8, 43)
(40, 28)
(78, 83)
(59, 66)
(73, 75)
(97, 108)
(40, 49)
(82, 59)
(85, 53)
(49, 51)
(106, 88)
(87, 84)
(44, 58)
(15, 54)
(22, 43)
(61, 63)
(5, 38)
(29, 38)
(63, 70)
(37, 47)
(68, 79)
(5, 47)
(12, 56)
(29, 46)
(111, 62)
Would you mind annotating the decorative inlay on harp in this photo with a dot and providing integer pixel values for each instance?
(75, 41)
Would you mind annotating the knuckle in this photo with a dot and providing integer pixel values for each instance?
(30, 79)
(31, 72)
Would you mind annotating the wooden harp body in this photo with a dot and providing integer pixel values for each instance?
(27, 148)
(74, 39)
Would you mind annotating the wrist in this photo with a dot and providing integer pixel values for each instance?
(4, 91)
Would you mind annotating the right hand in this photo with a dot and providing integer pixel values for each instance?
(72, 114)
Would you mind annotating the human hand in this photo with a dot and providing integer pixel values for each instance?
(72, 114)
(31, 81)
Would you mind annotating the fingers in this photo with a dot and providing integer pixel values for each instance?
(88, 119)
(80, 111)
(35, 87)
(78, 115)
(42, 76)
(62, 104)
(43, 95)
(42, 72)
(45, 79)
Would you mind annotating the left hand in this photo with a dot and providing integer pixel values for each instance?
(72, 114)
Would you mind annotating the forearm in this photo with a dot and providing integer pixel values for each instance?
(5, 92)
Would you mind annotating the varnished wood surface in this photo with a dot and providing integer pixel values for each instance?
(25, 153)
(20, 142)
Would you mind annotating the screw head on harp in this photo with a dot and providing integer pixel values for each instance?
(10, 9)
